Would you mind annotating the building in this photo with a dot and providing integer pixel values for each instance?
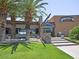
(20, 31)
(34, 29)
(64, 23)
(48, 27)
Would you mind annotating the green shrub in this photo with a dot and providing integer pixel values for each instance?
(74, 33)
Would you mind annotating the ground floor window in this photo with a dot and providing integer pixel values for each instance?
(47, 30)
(8, 31)
(37, 31)
(20, 31)
(34, 31)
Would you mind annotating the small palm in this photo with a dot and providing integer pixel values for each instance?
(14, 44)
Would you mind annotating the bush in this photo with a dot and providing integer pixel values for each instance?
(74, 33)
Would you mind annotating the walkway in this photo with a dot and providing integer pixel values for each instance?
(66, 46)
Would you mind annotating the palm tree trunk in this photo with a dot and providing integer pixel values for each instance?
(3, 26)
(40, 27)
(28, 21)
(13, 29)
(2, 29)
(3, 14)
(27, 27)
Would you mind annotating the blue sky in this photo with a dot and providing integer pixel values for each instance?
(63, 7)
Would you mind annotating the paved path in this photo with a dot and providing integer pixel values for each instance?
(66, 46)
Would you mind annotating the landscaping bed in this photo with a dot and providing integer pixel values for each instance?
(72, 40)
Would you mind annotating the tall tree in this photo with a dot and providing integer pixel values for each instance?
(13, 12)
(9, 7)
(3, 14)
(32, 9)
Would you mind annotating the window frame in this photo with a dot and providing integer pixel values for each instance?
(66, 19)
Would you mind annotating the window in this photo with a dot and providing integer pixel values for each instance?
(37, 31)
(20, 31)
(8, 18)
(19, 18)
(47, 30)
(17, 30)
(8, 31)
(67, 19)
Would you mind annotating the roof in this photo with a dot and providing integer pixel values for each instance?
(66, 15)
(59, 16)
(22, 22)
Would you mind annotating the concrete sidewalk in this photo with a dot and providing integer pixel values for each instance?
(66, 46)
(71, 50)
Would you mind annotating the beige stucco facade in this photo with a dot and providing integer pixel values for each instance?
(20, 25)
(64, 27)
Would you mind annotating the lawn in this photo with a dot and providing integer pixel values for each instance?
(37, 51)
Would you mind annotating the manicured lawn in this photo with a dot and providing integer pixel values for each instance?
(38, 51)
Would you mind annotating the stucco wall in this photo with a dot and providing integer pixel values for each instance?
(64, 27)
(20, 26)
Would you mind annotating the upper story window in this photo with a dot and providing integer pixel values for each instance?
(67, 19)
(8, 18)
(17, 18)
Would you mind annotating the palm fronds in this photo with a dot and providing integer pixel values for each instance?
(14, 45)
(47, 18)
(31, 7)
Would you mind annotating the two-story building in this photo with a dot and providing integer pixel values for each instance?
(20, 31)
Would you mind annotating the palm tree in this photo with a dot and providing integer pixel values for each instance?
(14, 44)
(32, 9)
(3, 14)
(13, 12)
(10, 7)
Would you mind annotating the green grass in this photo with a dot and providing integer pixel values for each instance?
(38, 51)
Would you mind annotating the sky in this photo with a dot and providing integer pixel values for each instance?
(63, 7)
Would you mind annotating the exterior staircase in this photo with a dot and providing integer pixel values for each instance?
(57, 41)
